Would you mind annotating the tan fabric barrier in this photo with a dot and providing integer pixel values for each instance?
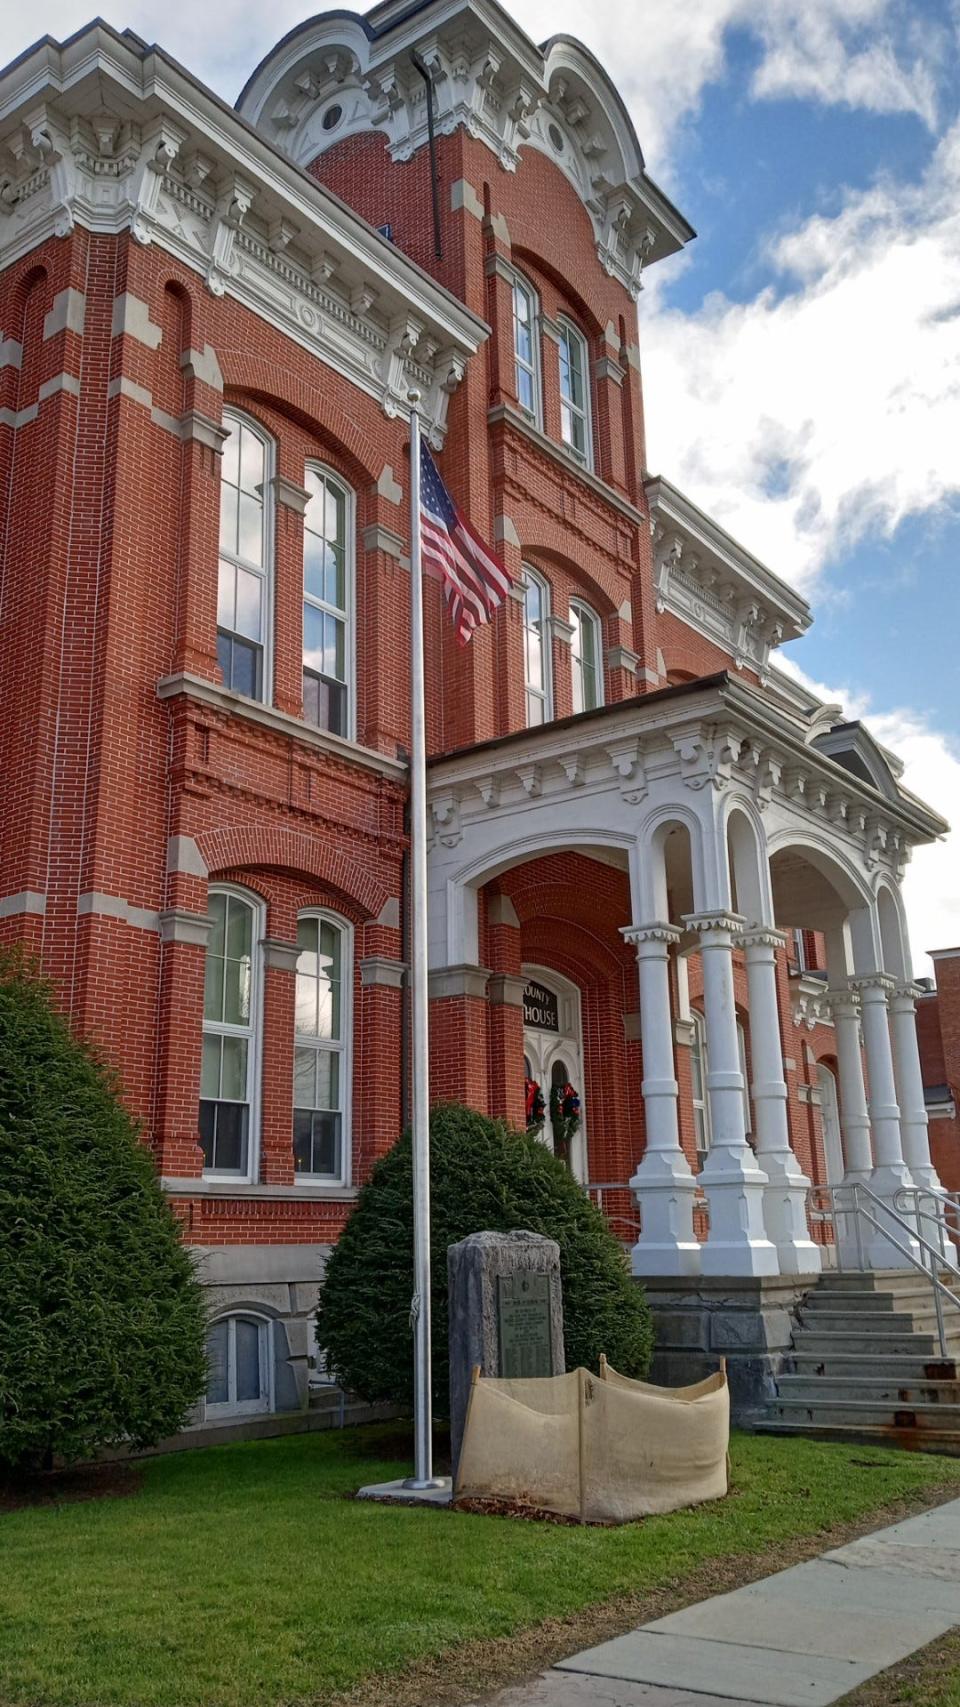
(603, 1449)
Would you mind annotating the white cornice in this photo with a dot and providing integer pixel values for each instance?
(108, 134)
(487, 77)
(706, 578)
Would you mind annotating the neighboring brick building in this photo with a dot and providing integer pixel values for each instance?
(938, 1028)
(206, 350)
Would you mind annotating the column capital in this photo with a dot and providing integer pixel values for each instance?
(762, 936)
(905, 994)
(378, 969)
(877, 985)
(180, 926)
(714, 921)
(843, 999)
(458, 981)
(657, 931)
(506, 989)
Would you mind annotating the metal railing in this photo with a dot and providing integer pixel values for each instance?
(848, 1209)
(595, 1191)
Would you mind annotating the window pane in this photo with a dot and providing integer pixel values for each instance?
(314, 556)
(226, 595)
(306, 1004)
(207, 1129)
(533, 601)
(233, 1075)
(248, 1360)
(316, 1143)
(308, 938)
(217, 1342)
(313, 638)
(251, 460)
(334, 510)
(534, 658)
(311, 701)
(241, 672)
(230, 458)
(223, 1133)
(305, 1078)
(250, 539)
(535, 710)
(525, 395)
(328, 1080)
(210, 1068)
(229, 513)
(249, 604)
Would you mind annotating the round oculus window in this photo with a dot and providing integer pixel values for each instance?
(332, 117)
(556, 137)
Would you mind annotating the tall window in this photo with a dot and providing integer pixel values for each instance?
(230, 1003)
(243, 602)
(585, 657)
(536, 644)
(327, 603)
(526, 348)
(321, 1073)
(575, 392)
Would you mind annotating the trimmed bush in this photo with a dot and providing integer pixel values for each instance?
(484, 1177)
(101, 1320)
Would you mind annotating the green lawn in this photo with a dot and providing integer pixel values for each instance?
(241, 1576)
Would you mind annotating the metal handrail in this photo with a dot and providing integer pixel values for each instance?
(858, 1189)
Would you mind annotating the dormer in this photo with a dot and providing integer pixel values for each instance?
(853, 747)
(339, 75)
(712, 583)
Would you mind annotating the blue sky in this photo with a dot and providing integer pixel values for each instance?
(802, 359)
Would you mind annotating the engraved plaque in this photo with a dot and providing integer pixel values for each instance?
(523, 1319)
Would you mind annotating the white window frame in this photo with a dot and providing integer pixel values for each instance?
(347, 615)
(702, 1105)
(253, 1033)
(544, 694)
(572, 338)
(265, 570)
(342, 1046)
(523, 287)
(212, 1409)
(581, 613)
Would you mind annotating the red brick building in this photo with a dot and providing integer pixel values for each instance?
(652, 850)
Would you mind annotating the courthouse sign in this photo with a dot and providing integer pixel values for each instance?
(541, 1009)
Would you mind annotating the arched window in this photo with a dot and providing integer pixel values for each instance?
(328, 593)
(230, 1037)
(586, 657)
(536, 648)
(239, 1366)
(322, 1047)
(575, 426)
(246, 543)
(526, 347)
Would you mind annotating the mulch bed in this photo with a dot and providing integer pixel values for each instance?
(64, 1487)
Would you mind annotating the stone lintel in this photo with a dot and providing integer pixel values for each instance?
(180, 926)
(280, 956)
(25, 902)
(459, 981)
(289, 494)
(621, 658)
(505, 989)
(378, 970)
(378, 538)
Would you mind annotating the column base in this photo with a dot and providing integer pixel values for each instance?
(885, 1182)
(785, 1215)
(737, 1242)
(665, 1189)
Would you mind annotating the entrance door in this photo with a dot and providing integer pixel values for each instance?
(553, 1054)
(830, 1122)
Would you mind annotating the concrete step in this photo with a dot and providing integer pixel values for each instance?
(879, 1280)
(844, 1365)
(871, 1322)
(945, 1441)
(861, 1301)
(850, 1413)
(878, 1389)
(924, 1347)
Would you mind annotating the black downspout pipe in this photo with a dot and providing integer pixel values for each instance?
(424, 70)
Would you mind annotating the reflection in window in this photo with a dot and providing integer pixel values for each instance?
(327, 603)
(226, 1075)
(536, 651)
(575, 392)
(242, 596)
(701, 1100)
(525, 348)
(585, 658)
(321, 1046)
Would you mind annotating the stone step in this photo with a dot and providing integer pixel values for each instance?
(879, 1280)
(945, 1441)
(878, 1388)
(849, 1413)
(924, 1347)
(879, 1322)
(844, 1365)
(864, 1302)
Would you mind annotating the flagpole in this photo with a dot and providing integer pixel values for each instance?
(420, 1102)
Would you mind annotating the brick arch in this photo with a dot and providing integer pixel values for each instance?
(242, 847)
(280, 387)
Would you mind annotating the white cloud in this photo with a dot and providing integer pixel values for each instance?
(822, 411)
(931, 887)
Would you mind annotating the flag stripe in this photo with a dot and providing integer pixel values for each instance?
(475, 581)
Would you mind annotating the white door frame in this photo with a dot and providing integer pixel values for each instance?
(830, 1123)
(544, 1047)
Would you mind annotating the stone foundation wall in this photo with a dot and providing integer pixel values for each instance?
(749, 1321)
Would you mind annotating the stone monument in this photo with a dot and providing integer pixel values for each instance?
(506, 1314)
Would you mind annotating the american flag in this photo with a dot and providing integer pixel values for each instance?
(475, 584)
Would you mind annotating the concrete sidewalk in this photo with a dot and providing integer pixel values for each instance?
(802, 1638)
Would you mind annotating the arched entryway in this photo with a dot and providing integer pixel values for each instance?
(553, 1055)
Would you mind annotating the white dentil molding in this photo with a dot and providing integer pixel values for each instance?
(102, 133)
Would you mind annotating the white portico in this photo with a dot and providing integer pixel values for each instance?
(734, 812)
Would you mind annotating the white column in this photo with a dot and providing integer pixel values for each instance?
(785, 1197)
(737, 1242)
(914, 1133)
(890, 1172)
(854, 1119)
(664, 1184)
